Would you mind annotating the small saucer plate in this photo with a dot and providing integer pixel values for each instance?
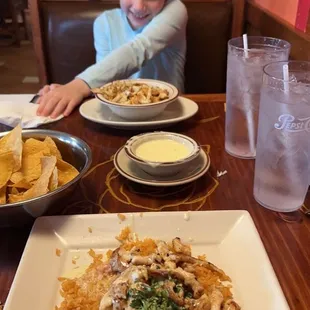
(130, 170)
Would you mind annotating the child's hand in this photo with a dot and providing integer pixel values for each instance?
(63, 99)
(44, 90)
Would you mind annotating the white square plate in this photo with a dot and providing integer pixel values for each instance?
(228, 238)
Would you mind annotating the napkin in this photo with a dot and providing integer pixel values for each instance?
(15, 109)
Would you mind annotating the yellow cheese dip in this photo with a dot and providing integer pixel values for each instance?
(162, 150)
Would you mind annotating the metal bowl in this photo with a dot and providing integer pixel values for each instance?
(73, 150)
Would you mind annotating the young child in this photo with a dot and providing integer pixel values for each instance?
(143, 39)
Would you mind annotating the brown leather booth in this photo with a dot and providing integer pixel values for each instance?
(63, 39)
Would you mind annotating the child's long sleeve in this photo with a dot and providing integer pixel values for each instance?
(162, 32)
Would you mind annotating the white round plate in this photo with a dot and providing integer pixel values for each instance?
(127, 168)
(177, 111)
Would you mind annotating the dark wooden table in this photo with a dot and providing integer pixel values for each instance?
(286, 237)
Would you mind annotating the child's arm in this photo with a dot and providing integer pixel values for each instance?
(129, 58)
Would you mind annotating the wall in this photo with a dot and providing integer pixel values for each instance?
(294, 12)
(286, 9)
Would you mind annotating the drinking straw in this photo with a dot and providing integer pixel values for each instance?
(286, 78)
(245, 45)
(249, 114)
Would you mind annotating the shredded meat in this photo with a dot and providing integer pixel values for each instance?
(190, 280)
(188, 267)
(145, 260)
(230, 304)
(216, 299)
(182, 258)
(203, 303)
(119, 290)
(178, 298)
(117, 265)
(162, 248)
(170, 264)
(179, 247)
(142, 260)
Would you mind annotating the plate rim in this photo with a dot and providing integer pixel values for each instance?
(143, 124)
(183, 181)
(52, 220)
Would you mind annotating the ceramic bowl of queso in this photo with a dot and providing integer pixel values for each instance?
(161, 153)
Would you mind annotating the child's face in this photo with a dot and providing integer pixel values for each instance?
(140, 12)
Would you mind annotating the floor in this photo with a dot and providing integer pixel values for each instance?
(18, 69)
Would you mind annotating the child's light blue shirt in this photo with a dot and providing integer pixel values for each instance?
(155, 51)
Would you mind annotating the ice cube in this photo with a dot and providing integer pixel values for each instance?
(293, 78)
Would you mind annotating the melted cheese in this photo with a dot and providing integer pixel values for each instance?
(162, 150)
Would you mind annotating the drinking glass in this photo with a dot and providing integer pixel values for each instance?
(244, 81)
(282, 161)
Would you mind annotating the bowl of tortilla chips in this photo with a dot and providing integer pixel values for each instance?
(38, 168)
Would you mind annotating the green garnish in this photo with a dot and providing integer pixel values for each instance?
(152, 297)
(188, 295)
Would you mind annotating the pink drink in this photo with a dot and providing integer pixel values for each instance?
(244, 80)
(282, 160)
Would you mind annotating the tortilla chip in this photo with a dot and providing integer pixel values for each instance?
(15, 197)
(13, 190)
(16, 177)
(33, 146)
(53, 183)
(21, 184)
(6, 167)
(31, 166)
(41, 186)
(13, 142)
(66, 172)
(3, 195)
(49, 142)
